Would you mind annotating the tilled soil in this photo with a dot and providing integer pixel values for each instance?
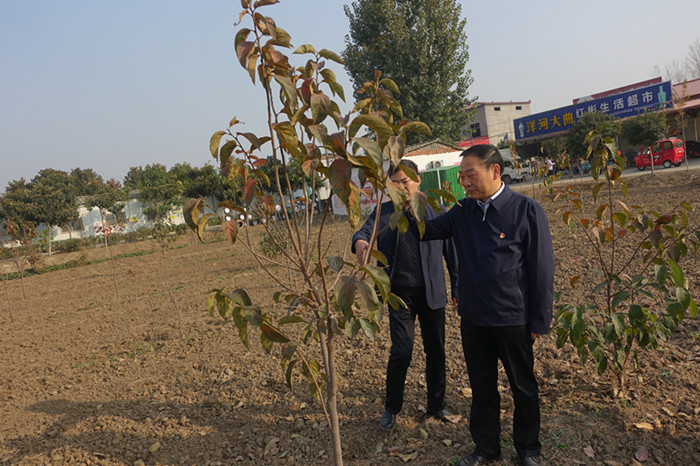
(92, 377)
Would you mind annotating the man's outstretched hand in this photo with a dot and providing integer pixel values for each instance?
(361, 247)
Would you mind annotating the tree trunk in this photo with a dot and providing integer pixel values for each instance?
(48, 237)
(104, 230)
(332, 397)
(651, 158)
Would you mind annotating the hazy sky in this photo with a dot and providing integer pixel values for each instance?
(113, 84)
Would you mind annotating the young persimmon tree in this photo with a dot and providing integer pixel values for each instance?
(322, 296)
(636, 292)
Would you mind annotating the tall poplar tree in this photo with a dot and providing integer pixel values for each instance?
(422, 46)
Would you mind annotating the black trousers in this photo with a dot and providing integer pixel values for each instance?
(483, 347)
(402, 328)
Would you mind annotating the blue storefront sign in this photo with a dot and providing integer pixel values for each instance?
(655, 97)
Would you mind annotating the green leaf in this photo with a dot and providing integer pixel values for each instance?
(618, 321)
(683, 297)
(693, 308)
(266, 343)
(395, 301)
(329, 55)
(416, 127)
(320, 105)
(373, 122)
(677, 274)
(380, 279)
(370, 328)
(224, 305)
(242, 325)
(578, 325)
(288, 89)
(191, 211)
(354, 206)
(211, 303)
(419, 202)
(394, 151)
(619, 297)
(380, 257)
(214, 142)
(352, 327)
(402, 224)
(320, 132)
(291, 320)
(202, 225)
(372, 149)
(306, 48)
(289, 372)
(226, 151)
(636, 316)
(253, 315)
(370, 296)
(288, 137)
(390, 84)
(336, 263)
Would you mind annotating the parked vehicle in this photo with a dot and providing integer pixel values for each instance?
(580, 167)
(665, 152)
(692, 148)
(514, 170)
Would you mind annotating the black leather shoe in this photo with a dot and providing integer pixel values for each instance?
(531, 461)
(443, 415)
(387, 421)
(475, 460)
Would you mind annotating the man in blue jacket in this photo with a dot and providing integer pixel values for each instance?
(506, 279)
(417, 275)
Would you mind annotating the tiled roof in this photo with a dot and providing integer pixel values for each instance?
(435, 146)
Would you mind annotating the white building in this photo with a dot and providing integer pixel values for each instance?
(493, 122)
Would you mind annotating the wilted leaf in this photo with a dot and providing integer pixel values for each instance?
(423, 433)
(154, 447)
(588, 450)
(644, 426)
(273, 334)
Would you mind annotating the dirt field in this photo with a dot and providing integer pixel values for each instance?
(89, 378)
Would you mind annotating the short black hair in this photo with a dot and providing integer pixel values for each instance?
(488, 153)
(406, 163)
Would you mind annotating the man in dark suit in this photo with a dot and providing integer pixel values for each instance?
(417, 275)
(506, 286)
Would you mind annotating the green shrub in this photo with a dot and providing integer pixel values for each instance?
(68, 245)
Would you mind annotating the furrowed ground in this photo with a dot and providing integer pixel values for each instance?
(87, 378)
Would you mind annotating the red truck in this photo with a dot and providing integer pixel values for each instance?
(666, 152)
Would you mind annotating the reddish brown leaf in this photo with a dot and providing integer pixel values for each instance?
(249, 192)
(230, 230)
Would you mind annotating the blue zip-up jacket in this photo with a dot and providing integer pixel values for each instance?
(506, 274)
(431, 253)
